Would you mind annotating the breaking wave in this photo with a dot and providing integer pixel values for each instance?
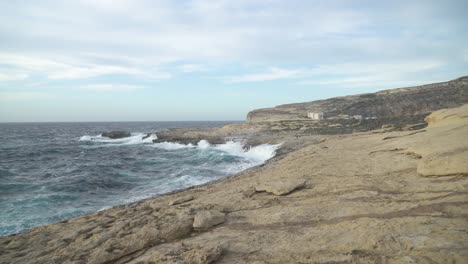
(257, 154)
(134, 139)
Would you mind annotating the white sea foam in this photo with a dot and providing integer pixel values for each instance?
(86, 138)
(257, 154)
(135, 138)
(172, 146)
(203, 144)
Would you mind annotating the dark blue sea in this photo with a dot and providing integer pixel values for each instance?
(53, 171)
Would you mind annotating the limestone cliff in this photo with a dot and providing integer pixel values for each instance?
(413, 102)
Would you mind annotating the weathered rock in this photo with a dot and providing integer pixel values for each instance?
(181, 200)
(415, 126)
(282, 187)
(202, 255)
(116, 134)
(207, 219)
(180, 253)
(179, 228)
(448, 154)
(447, 163)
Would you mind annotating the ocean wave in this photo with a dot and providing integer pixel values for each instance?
(134, 139)
(172, 146)
(257, 154)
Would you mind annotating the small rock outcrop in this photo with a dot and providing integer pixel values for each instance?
(281, 187)
(448, 155)
(116, 134)
(181, 200)
(207, 219)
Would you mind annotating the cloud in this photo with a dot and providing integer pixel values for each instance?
(13, 77)
(62, 69)
(359, 75)
(306, 41)
(270, 75)
(347, 73)
(73, 72)
(269, 32)
(25, 96)
(187, 68)
(111, 87)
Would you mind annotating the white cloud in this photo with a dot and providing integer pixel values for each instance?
(349, 72)
(87, 39)
(372, 68)
(270, 75)
(63, 69)
(360, 75)
(72, 72)
(187, 68)
(12, 77)
(111, 87)
(25, 96)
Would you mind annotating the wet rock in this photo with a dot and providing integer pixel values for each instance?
(147, 136)
(207, 219)
(281, 187)
(116, 134)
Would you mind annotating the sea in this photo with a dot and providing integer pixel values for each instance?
(54, 171)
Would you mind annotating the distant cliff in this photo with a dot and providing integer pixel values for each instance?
(389, 110)
(411, 103)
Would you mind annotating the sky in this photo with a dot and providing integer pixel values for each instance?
(137, 60)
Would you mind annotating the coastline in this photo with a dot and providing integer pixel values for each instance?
(324, 199)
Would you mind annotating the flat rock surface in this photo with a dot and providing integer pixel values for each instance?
(181, 200)
(207, 219)
(443, 148)
(367, 204)
(281, 187)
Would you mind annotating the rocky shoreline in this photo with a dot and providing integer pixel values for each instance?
(398, 194)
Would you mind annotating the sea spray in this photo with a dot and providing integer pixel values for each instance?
(257, 154)
(135, 138)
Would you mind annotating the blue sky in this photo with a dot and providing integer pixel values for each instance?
(111, 60)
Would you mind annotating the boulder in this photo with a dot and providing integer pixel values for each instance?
(116, 134)
(207, 219)
(283, 187)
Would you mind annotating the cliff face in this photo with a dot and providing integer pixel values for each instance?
(414, 102)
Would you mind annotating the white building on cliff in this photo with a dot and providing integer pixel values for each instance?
(315, 115)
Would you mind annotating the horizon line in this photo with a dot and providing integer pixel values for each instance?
(23, 122)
